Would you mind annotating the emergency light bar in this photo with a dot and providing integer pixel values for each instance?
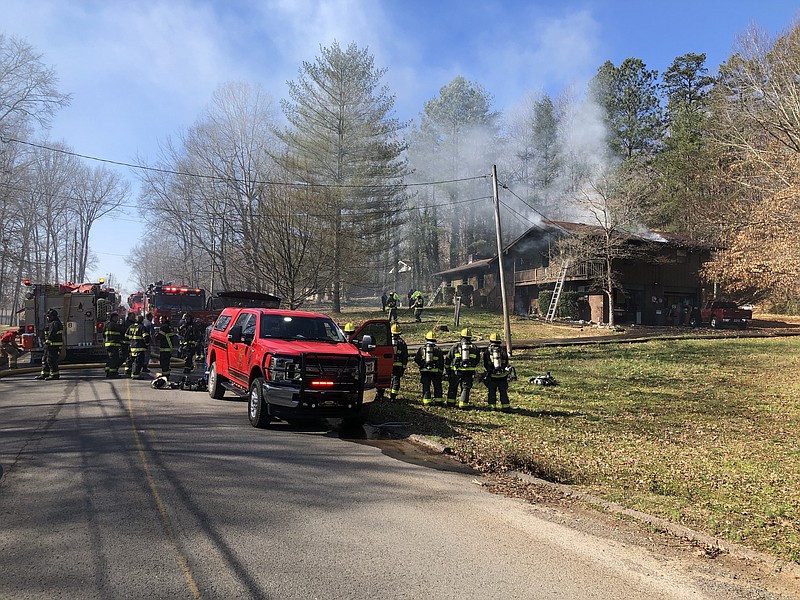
(322, 383)
(180, 290)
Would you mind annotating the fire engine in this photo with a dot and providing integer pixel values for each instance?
(173, 301)
(83, 309)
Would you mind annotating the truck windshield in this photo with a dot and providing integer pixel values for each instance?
(178, 302)
(287, 327)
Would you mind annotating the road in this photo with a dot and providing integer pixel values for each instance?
(111, 489)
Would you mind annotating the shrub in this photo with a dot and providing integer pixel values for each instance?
(567, 304)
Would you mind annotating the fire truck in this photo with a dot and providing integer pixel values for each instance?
(83, 309)
(173, 301)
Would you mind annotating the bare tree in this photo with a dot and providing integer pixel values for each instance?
(611, 203)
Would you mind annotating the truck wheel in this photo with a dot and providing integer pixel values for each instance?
(257, 408)
(357, 420)
(215, 389)
(714, 323)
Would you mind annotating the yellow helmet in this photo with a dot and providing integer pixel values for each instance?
(466, 332)
(494, 338)
(349, 328)
(395, 329)
(430, 337)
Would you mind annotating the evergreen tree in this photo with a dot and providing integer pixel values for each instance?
(629, 97)
(343, 141)
(685, 161)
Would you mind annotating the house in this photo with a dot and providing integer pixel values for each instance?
(657, 284)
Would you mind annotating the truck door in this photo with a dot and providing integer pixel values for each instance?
(379, 330)
(239, 352)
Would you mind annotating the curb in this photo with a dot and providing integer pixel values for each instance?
(663, 525)
(674, 529)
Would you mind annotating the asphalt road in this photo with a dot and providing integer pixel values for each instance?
(111, 489)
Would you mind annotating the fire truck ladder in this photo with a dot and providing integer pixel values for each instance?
(551, 310)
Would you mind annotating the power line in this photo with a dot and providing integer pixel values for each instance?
(227, 179)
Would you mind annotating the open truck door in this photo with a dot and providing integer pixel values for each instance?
(379, 331)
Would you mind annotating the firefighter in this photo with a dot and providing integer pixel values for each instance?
(495, 361)
(430, 360)
(391, 306)
(138, 339)
(112, 338)
(349, 330)
(53, 342)
(166, 344)
(125, 347)
(463, 360)
(188, 341)
(151, 329)
(419, 304)
(10, 348)
(399, 363)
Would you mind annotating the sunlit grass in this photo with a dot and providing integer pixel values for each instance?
(703, 432)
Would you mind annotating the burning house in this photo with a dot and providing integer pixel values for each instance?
(657, 277)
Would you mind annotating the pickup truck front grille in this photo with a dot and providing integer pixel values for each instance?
(338, 369)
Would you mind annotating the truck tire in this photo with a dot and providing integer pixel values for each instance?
(715, 324)
(357, 420)
(215, 389)
(256, 407)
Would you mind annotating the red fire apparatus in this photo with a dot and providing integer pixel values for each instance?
(83, 309)
(173, 301)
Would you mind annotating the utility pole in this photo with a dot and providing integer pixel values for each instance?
(500, 265)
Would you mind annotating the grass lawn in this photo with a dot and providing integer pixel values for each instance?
(703, 432)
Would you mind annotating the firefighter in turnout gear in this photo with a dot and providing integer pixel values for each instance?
(10, 348)
(188, 341)
(391, 306)
(349, 330)
(463, 359)
(139, 339)
(418, 303)
(430, 360)
(112, 338)
(53, 342)
(495, 361)
(125, 348)
(400, 362)
(166, 344)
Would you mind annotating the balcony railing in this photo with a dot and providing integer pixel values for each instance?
(576, 272)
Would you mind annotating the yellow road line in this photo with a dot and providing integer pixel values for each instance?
(162, 509)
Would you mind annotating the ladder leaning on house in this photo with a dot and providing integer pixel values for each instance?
(437, 293)
(551, 310)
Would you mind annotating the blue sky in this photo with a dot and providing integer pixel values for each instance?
(142, 70)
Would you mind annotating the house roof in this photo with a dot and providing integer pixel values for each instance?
(476, 265)
(570, 227)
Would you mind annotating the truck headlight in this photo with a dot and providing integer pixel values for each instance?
(283, 369)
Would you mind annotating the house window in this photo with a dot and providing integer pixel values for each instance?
(480, 282)
(681, 256)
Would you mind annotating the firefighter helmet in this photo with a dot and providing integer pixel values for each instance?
(349, 327)
(395, 329)
(52, 313)
(494, 338)
(430, 337)
(466, 332)
(113, 315)
(187, 317)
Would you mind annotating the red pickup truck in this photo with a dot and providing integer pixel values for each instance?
(292, 364)
(718, 314)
